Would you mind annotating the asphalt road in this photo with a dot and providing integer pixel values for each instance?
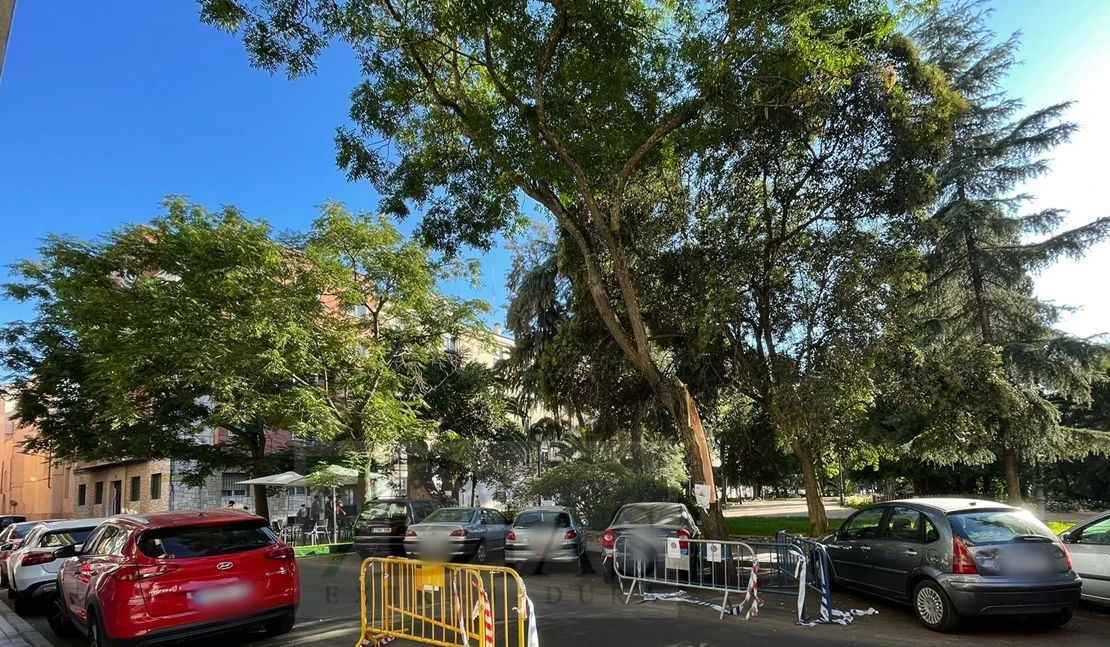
(581, 610)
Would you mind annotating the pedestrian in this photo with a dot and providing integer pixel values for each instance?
(329, 511)
(303, 519)
(231, 504)
(317, 509)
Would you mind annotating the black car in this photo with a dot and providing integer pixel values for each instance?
(382, 523)
(8, 519)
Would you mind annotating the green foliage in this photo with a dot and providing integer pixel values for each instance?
(858, 501)
(598, 490)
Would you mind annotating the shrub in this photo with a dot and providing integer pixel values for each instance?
(597, 490)
(858, 500)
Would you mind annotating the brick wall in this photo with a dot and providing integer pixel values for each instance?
(121, 475)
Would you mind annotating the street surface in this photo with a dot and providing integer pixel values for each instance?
(580, 610)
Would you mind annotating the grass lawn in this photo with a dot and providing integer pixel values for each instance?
(768, 526)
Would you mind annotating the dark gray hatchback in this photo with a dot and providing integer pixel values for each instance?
(950, 558)
(381, 525)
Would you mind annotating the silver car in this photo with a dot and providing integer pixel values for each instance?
(1089, 545)
(545, 534)
(950, 558)
(473, 534)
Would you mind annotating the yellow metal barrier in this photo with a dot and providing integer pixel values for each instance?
(450, 605)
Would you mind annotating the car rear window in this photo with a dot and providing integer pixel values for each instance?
(69, 537)
(660, 515)
(985, 527)
(450, 515)
(384, 511)
(205, 541)
(537, 519)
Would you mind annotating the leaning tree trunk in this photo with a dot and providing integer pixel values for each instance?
(818, 522)
(1010, 461)
(685, 412)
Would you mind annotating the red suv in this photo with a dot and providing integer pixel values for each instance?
(175, 575)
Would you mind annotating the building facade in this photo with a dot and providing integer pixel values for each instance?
(30, 484)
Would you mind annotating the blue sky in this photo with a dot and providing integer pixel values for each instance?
(107, 107)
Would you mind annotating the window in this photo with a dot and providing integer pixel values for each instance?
(358, 311)
(864, 525)
(931, 532)
(384, 511)
(205, 541)
(136, 483)
(155, 486)
(661, 514)
(98, 493)
(421, 509)
(92, 540)
(1098, 533)
(65, 537)
(297, 490)
(109, 538)
(231, 486)
(450, 343)
(543, 519)
(999, 527)
(82, 491)
(451, 515)
(903, 524)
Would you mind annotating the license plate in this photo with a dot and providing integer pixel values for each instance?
(379, 531)
(221, 595)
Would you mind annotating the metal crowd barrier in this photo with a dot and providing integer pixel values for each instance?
(444, 604)
(817, 567)
(787, 566)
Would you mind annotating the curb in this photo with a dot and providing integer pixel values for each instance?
(20, 627)
(324, 549)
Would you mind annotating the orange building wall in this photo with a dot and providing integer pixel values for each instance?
(29, 484)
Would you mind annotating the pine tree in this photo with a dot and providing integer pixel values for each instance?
(987, 249)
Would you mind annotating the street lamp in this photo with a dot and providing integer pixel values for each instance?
(537, 433)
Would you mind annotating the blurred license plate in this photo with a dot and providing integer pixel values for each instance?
(221, 595)
(379, 530)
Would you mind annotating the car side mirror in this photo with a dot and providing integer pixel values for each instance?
(72, 550)
(1067, 537)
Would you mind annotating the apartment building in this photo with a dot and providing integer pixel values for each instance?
(31, 485)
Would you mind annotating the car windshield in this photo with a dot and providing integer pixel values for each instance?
(20, 530)
(450, 515)
(205, 541)
(984, 527)
(649, 514)
(69, 537)
(384, 511)
(543, 519)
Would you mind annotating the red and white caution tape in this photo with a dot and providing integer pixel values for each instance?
(487, 614)
(460, 616)
(751, 597)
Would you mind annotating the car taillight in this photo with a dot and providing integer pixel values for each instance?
(511, 536)
(962, 561)
(461, 532)
(366, 530)
(134, 573)
(33, 559)
(411, 533)
(1067, 554)
(571, 534)
(608, 540)
(279, 552)
(683, 534)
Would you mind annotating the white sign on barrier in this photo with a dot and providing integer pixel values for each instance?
(674, 551)
(713, 552)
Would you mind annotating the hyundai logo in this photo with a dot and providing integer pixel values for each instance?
(223, 566)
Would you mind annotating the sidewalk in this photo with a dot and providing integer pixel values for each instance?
(15, 632)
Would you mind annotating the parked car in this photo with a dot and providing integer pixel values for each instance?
(173, 576)
(951, 558)
(639, 534)
(458, 533)
(34, 566)
(381, 525)
(545, 534)
(8, 519)
(10, 539)
(1089, 545)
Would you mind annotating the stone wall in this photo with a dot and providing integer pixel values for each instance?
(120, 475)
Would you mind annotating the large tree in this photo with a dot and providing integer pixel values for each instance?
(988, 248)
(570, 102)
(385, 322)
(154, 333)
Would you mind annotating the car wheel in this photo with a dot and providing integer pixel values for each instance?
(933, 608)
(1054, 620)
(481, 553)
(279, 626)
(59, 622)
(97, 636)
